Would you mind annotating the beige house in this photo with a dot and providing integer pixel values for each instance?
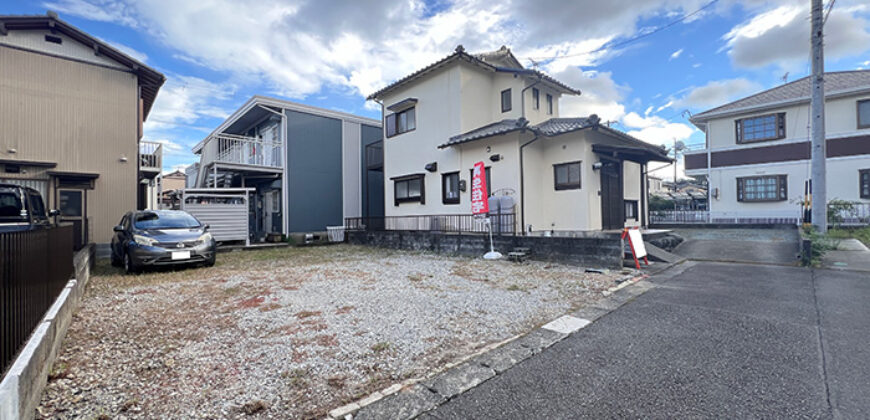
(71, 115)
(758, 149)
(559, 174)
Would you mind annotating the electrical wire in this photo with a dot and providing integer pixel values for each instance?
(828, 12)
(630, 40)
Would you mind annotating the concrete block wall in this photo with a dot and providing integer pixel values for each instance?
(601, 251)
(21, 387)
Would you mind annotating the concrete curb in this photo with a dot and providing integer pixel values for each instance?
(417, 396)
(21, 388)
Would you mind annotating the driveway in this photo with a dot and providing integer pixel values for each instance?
(712, 339)
(776, 246)
(717, 340)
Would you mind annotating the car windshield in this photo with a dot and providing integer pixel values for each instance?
(11, 206)
(165, 220)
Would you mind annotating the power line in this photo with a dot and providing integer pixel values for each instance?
(630, 40)
(828, 12)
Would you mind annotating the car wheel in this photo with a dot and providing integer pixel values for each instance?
(210, 262)
(116, 262)
(129, 266)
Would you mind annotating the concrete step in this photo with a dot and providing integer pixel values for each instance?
(657, 254)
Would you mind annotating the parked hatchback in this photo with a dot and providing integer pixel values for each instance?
(22, 208)
(150, 238)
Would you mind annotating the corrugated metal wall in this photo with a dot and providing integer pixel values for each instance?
(81, 116)
(227, 222)
(314, 172)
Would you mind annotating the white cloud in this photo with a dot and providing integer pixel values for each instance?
(183, 100)
(781, 36)
(676, 54)
(132, 52)
(600, 95)
(717, 92)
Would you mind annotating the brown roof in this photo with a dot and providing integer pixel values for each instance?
(150, 80)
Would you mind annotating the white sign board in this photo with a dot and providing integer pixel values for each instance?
(637, 243)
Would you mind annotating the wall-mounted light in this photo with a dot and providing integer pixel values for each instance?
(123, 159)
(597, 165)
(12, 150)
(462, 185)
(495, 158)
(488, 149)
(432, 167)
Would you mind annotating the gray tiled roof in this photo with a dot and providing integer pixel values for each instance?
(796, 90)
(551, 127)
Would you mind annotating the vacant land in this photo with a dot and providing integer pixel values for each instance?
(292, 332)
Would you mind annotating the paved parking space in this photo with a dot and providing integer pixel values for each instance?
(775, 246)
(716, 340)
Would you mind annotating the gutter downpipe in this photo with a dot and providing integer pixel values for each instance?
(523, 181)
(523, 97)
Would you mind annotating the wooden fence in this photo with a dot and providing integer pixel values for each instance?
(35, 266)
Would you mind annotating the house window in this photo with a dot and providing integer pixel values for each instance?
(566, 176)
(762, 128)
(536, 98)
(506, 100)
(864, 176)
(631, 209)
(549, 104)
(762, 188)
(401, 122)
(409, 188)
(450, 188)
(864, 114)
(488, 180)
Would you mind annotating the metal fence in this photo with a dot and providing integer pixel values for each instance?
(680, 217)
(34, 268)
(502, 224)
(849, 214)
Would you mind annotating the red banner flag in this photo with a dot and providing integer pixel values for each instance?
(479, 196)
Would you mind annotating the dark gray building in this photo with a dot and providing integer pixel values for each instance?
(306, 168)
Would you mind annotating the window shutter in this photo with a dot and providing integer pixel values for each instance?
(737, 131)
(780, 123)
(739, 189)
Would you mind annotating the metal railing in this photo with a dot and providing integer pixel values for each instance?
(680, 217)
(151, 156)
(502, 224)
(34, 268)
(227, 148)
(848, 214)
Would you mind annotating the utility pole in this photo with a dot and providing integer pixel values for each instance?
(819, 193)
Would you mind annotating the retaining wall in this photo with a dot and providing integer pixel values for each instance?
(599, 251)
(21, 388)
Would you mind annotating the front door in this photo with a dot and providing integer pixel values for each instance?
(612, 206)
(71, 203)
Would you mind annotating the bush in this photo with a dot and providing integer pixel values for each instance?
(836, 210)
(657, 203)
(819, 245)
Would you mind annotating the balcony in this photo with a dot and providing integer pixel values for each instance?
(150, 159)
(244, 152)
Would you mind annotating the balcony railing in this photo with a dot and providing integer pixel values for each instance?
(227, 148)
(150, 156)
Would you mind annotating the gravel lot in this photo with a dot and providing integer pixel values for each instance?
(292, 332)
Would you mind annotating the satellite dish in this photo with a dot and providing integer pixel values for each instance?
(680, 145)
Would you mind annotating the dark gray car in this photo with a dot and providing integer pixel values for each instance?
(150, 238)
(22, 208)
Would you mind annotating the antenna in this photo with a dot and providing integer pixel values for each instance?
(534, 63)
(785, 77)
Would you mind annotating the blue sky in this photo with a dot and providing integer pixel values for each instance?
(218, 53)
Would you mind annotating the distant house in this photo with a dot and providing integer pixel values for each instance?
(562, 174)
(170, 186)
(309, 167)
(757, 154)
(71, 115)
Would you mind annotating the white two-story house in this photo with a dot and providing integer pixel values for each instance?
(558, 174)
(758, 149)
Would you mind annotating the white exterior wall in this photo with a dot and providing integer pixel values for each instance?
(842, 180)
(438, 113)
(631, 189)
(840, 121)
(351, 162)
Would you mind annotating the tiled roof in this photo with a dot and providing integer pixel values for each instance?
(479, 60)
(551, 127)
(494, 129)
(797, 90)
(554, 127)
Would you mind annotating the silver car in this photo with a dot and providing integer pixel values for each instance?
(150, 238)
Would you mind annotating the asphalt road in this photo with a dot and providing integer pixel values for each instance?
(715, 340)
(776, 246)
